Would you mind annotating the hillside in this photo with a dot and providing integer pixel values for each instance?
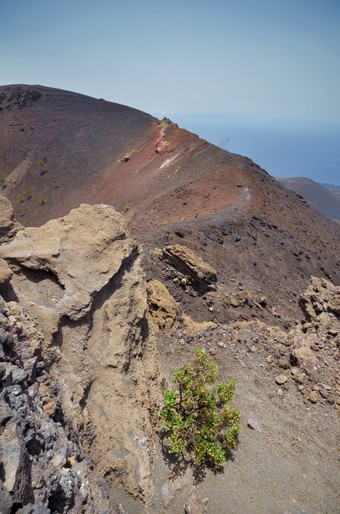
(125, 243)
(323, 197)
(172, 186)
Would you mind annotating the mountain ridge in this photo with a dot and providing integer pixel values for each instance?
(324, 197)
(167, 181)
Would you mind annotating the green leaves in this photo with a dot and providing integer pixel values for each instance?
(197, 417)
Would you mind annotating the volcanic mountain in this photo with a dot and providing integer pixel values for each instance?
(99, 307)
(324, 197)
(59, 149)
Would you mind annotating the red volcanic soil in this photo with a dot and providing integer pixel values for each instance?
(173, 188)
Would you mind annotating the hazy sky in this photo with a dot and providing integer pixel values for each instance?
(256, 58)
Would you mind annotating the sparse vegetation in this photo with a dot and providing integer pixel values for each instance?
(42, 199)
(21, 198)
(126, 209)
(196, 415)
(43, 167)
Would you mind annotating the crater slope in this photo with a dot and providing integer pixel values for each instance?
(59, 149)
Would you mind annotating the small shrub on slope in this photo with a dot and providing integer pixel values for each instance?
(196, 415)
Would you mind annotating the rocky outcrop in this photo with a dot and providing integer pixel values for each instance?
(321, 296)
(43, 468)
(20, 97)
(8, 225)
(187, 262)
(162, 306)
(80, 279)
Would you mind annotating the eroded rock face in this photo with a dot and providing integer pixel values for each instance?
(80, 278)
(43, 468)
(8, 225)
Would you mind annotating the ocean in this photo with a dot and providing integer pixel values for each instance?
(283, 149)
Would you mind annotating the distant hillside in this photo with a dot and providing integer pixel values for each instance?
(324, 197)
(332, 187)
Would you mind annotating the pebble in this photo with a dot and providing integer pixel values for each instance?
(313, 397)
(254, 424)
(284, 363)
(281, 379)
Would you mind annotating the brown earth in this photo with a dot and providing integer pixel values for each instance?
(173, 187)
(264, 241)
(324, 197)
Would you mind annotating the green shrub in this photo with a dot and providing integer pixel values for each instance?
(42, 199)
(42, 167)
(196, 415)
(21, 198)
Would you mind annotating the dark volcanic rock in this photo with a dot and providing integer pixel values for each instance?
(42, 464)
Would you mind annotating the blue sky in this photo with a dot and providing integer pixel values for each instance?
(255, 58)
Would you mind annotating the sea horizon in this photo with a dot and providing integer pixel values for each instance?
(283, 148)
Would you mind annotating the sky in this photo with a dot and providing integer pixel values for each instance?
(257, 58)
(254, 59)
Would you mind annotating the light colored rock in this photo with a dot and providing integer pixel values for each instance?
(5, 272)
(83, 251)
(8, 226)
(305, 356)
(80, 277)
(313, 396)
(14, 460)
(163, 308)
(334, 302)
(254, 424)
(190, 264)
(320, 296)
(281, 379)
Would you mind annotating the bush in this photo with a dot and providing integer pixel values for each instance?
(196, 415)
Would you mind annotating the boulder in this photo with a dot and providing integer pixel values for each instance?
(163, 308)
(187, 262)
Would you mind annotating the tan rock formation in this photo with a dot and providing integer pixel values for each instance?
(321, 296)
(5, 272)
(8, 226)
(162, 306)
(190, 264)
(80, 277)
